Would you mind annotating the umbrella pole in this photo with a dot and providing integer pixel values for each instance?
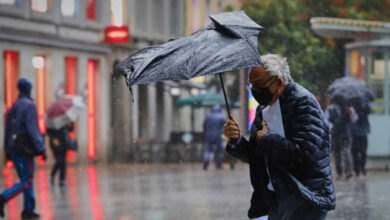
(224, 94)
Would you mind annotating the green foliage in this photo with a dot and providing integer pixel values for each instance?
(314, 61)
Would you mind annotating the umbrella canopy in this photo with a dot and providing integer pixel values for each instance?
(349, 88)
(63, 111)
(228, 43)
(203, 100)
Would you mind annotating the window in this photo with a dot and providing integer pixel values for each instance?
(158, 17)
(11, 2)
(141, 16)
(70, 8)
(208, 12)
(91, 10)
(117, 15)
(174, 17)
(39, 5)
(376, 79)
(195, 15)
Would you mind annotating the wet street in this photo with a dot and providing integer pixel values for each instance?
(170, 192)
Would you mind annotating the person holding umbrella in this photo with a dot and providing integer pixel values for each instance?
(23, 141)
(60, 142)
(341, 116)
(357, 95)
(360, 129)
(60, 117)
(289, 147)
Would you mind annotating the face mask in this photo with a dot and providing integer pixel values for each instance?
(262, 95)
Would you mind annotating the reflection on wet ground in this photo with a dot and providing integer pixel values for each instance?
(162, 192)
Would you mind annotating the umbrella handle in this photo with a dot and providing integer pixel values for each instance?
(224, 95)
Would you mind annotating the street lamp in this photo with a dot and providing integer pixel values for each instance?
(174, 91)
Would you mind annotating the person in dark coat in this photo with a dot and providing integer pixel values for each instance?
(359, 130)
(340, 116)
(22, 123)
(60, 142)
(213, 130)
(291, 175)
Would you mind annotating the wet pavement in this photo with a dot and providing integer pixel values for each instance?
(170, 192)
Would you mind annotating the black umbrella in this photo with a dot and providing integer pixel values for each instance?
(350, 88)
(228, 43)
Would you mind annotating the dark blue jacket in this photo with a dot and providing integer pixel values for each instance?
(361, 127)
(62, 135)
(338, 115)
(22, 118)
(213, 124)
(298, 164)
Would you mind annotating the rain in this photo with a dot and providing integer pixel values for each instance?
(195, 109)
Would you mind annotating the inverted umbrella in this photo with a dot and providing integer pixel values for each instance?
(203, 100)
(63, 111)
(228, 43)
(350, 88)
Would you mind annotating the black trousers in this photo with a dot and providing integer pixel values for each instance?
(294, 207)
(60, 164)
(359, 154)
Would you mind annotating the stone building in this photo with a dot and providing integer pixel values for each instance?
(72, 45)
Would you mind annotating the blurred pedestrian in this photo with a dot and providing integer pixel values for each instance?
(289, 163)
(60, 143)
(340, 116)
(23, 141)
(360, 129)
(213, 130)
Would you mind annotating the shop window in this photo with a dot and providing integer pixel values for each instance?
(117, 13)
(70, 8)
(40, 5)
(91, 9)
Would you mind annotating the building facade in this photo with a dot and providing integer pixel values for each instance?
(71, 46)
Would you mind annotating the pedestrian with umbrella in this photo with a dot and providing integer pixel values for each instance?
(301, 159)
(356, 92)
(288, 150)
(340, 115)
(60, 117)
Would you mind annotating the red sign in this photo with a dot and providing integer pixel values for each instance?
(117, 34)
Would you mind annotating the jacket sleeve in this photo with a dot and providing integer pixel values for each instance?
(31, 119)
(239, 150)
(305, 141)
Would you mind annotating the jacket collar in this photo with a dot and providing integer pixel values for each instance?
(288, 90)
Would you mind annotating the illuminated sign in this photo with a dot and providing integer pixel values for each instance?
(117, 35)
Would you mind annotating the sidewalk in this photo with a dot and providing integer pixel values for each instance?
(378, 163)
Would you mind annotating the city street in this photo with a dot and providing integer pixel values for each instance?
(157, 192)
